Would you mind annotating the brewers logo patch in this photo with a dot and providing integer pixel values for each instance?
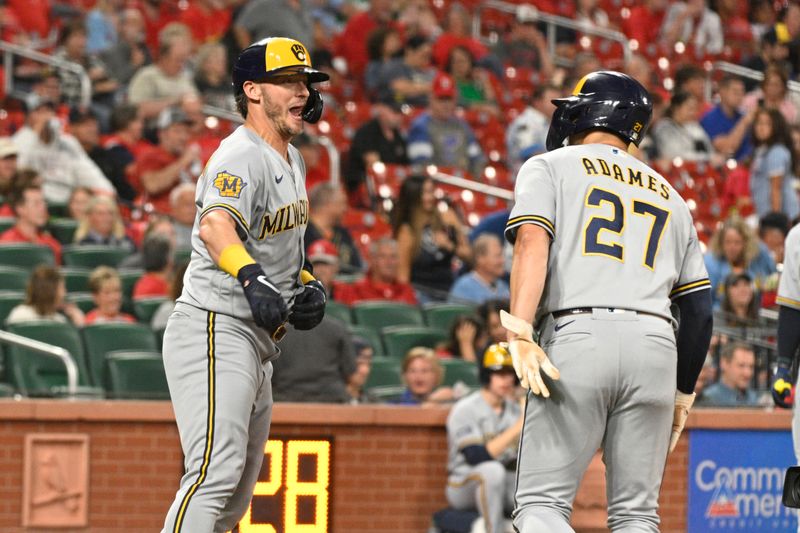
(299, 52)
(229, 186)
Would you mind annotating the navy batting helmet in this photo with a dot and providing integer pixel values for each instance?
(496, 358)
(606, 100)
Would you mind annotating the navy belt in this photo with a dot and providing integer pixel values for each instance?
(589, 310)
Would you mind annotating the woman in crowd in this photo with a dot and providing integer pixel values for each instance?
(212, 77)
(773, 94)
(383, 45)
(106, 289)
(489, 313)
(473, 83)
(467, 337)
(772, 173)
(679, 134)
(79, 202)
(734, 248)
(45, 300)
(428, 240)
(739, 305)
(103, 225)
(422, 375)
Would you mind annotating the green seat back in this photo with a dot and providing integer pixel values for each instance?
(13, 278)
(136, 375)
(34, 373)
(370, 335)
(7, 223)
(83, 300)
(26, 255)
(398, 340)
(91, 256)
(442, 315)
(63, 229)
(128, 278)
(8, 301)
(339, 310)
(103, 338)
(377, 315)
(456, 370)
(76, 279)
(145, 308)
(58, 209)
(383, 371)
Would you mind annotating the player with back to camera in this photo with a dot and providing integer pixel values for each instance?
(603, 246)
(247, 277)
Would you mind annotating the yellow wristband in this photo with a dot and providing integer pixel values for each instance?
(233, 258)
(306, 276)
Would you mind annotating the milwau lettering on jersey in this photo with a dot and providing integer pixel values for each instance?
(287, 217)
(229, 185)
(600, 166)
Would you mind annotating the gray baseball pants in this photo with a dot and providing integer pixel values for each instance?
(489, 487)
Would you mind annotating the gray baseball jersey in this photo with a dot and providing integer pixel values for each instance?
(473, 421)
(789, 286)
(605, 209)
(267, 198)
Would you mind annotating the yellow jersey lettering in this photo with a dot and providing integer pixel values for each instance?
(635, 178)
(604, 167)
(651, 183)
(589, 166)
(664, 191)
(617, 173)
(287, 217)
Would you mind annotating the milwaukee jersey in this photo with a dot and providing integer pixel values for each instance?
(266, 196)
(606, 210)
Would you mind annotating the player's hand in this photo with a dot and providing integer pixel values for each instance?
(528, 357)
(266, 303)
(683, 403)
(309, 306)
(782, 387)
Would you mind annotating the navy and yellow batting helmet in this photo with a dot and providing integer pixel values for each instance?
(274, 56)
(496, 358)
(606, 100)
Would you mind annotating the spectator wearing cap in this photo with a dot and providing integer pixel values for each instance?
(260, 19)
(57, 156)
(694, 24)
(726, 126)
(734, 388)
(325, 260)
(438, 137)
(328, 206)
(351, 43)
(158, 254)
(527, 133)
(485, 281)
(130, 52)
(406, 79)
(8, 168)
(381, 281)
(183, 210)
(380, 139)
(171, 162)
(525, 46)
(30, 208)
(163, 84)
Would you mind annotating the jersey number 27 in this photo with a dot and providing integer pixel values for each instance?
(593, 245)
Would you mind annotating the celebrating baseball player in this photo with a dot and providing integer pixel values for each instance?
(482, 433)
(603, 246)
(246, 278)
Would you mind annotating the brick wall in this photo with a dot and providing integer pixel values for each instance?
(388, 467)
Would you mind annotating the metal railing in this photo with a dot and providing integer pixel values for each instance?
(324, 141)
(475, 186)
(10, 50)
(553, 22)
(47, 349)
(744, 72)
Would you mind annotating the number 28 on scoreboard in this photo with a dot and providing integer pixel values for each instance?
(293, 490)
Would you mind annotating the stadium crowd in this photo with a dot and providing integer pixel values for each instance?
(413, 93)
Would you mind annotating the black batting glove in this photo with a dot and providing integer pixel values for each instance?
(266, 303)
(782, 387)
(309, 306)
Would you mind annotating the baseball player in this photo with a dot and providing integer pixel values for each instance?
(245, 279)
(602, 247)
(482, 434)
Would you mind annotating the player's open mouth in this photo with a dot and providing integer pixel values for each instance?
(296, 111)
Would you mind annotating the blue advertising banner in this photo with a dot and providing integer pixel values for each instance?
(736, 481)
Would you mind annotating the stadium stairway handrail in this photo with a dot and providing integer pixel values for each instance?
(324, 141)
(553, 22)
(10, 50)
(47, 349)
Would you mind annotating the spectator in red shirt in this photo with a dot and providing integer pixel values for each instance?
(208, 19)
(352, 42)
(106, 289)
(323, 257)
(381, 281)
(157, 251)
(31, 212)
(173, 161)
(457, 33)
(644, 23)
(33, 16)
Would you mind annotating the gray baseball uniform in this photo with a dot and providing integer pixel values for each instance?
(217, 360)
(487, 486)
(789, 296)
(623, 243)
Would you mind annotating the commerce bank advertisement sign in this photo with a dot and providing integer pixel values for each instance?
(736, 481)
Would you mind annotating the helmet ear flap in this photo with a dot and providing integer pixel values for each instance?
(562, 126)
(312, 112)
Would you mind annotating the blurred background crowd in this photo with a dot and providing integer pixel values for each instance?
(109, 110)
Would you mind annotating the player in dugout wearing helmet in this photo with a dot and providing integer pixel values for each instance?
(246, 278)
(482, 434)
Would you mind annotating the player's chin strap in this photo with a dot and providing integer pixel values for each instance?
(312, 111)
